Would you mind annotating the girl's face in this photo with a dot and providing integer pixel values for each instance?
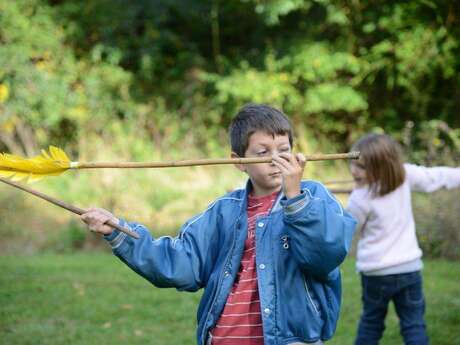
(358, 171)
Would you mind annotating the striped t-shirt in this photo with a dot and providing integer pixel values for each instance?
(240, 322)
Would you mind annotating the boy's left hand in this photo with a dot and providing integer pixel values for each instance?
(291, 167)
(96, 219)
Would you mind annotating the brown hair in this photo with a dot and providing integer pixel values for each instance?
(381, 156)
(257, 117)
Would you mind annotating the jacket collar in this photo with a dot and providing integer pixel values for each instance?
(276, 206)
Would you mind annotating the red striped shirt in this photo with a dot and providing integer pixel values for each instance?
(241, 322)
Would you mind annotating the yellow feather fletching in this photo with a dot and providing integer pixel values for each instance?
(49, 163)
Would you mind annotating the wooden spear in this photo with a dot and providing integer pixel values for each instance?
(340, 190)
(194, 162)
(326, 183)
(56, 162)
(67, 206)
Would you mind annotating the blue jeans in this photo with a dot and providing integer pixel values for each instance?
(405, 290)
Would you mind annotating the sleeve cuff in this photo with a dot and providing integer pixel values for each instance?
(117, 237)
(295, 204)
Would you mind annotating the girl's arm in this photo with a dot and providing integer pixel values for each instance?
(423, 179)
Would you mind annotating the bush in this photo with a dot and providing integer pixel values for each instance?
(437, 217)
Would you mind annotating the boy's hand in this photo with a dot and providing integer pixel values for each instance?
(95, 219)
(291, 167)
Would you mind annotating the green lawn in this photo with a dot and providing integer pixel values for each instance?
(95, 299)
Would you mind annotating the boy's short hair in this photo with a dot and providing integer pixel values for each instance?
(257, 117)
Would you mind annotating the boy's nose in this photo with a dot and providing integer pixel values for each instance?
(273, 154)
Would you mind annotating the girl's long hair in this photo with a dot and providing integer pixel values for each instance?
(381, 157)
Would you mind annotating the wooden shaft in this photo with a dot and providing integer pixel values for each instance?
(340, 190)
(193, 162)
(66, 206)
(338, 182)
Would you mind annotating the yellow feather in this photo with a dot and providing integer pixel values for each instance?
(6, 173)
(45, 154)
(60, 154)
(17, 168)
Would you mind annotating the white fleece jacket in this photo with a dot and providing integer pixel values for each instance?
(387, 241)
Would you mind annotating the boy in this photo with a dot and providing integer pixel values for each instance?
(266, 255)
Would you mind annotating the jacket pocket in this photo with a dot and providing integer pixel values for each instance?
(310, 300)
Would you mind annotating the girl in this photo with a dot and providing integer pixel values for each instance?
(388, 255)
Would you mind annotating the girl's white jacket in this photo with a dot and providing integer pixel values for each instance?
(387, 241)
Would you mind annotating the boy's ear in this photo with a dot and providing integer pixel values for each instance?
(241, 167)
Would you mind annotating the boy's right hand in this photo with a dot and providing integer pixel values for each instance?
(95, 219)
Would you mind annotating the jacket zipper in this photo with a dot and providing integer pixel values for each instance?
(219, 286)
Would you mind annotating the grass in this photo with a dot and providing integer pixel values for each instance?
(92, 298)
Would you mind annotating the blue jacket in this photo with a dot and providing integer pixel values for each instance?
(299, 247)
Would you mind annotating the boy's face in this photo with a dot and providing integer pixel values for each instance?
(265, 177)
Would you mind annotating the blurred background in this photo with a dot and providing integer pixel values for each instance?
(155, 80)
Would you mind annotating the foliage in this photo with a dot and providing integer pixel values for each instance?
(52, 95)
(72, 69)
(435, 143)
(437, 225)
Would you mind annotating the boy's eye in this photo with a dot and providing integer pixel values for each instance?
(261, 153)
(286, 149)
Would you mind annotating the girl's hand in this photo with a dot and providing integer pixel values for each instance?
(95, 219)
(291, 167)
